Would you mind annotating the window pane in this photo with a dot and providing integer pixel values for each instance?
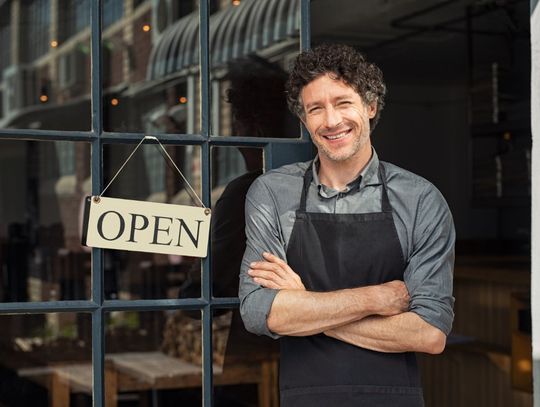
(43, 187)
(251, 46)
(46, 360)
(112, 11)
(151, 68)
(35, 21)
(154, 358)
(233, 171)
(45, 64)
(148, 176)
(245, 365)
(74, 16)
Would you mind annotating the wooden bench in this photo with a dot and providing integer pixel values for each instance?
(142, 371)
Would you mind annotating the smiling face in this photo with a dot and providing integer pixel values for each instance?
(337, 119)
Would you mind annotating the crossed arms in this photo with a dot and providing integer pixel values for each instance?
(391, 317)
(373, 317)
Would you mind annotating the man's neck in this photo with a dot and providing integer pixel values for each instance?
(338, 174)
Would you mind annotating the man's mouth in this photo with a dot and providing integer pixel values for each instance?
(337, 136)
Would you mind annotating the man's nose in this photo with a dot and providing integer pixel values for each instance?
(333, 117)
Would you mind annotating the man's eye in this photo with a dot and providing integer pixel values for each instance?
(314, 109)
(344, 103)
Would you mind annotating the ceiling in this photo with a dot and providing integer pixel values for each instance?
(431, 32)
(370, 22)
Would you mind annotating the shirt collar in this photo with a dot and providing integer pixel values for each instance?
(368, 176)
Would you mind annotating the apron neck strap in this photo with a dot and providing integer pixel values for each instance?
(385, 202)
(308, 177)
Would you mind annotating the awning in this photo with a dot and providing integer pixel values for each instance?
(235, 32)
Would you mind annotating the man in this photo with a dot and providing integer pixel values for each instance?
(349, 259)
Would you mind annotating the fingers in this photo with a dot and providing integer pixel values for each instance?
(274, 273)
(264, 274)
(267, 266)
(282, 263)
(266, 283)
(273, 264)
(273, 259)
(267, 274)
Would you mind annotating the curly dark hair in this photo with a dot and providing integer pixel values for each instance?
(341, 62)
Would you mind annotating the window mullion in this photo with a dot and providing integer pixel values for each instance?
(207, 357)
(98, 334)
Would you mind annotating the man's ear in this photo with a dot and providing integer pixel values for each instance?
(302, 118)
(372, 109)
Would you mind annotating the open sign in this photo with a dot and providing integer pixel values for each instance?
(123, 224)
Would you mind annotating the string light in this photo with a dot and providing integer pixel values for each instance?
(235, 2)
(115, 101)
(182, 99)
(146, 28)
(43, 98)
(54, 43)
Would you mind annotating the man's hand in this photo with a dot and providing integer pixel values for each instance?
(275, 273)
(392, 298)
(292, 312)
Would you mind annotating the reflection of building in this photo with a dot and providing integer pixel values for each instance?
(151, 84)
(45, 45)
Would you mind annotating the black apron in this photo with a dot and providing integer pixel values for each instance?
(333, 252)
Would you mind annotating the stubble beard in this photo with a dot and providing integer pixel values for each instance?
(341, 156)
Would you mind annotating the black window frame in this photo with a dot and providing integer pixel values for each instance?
(277, 151)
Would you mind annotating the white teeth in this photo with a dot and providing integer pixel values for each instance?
(337, 136)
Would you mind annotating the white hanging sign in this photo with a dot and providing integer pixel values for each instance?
(123, 224)
(140, 226)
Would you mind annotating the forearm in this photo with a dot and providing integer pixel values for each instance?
(405, 332)
(302, 313)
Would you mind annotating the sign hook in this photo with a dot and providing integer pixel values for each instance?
(189, 189)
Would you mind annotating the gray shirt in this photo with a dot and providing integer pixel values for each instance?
(423, 221)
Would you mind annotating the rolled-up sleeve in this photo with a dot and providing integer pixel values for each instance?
(262, 235)
(429, 272)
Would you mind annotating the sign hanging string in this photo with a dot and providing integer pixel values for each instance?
(189, 189)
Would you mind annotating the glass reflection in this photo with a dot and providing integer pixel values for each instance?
(233, 172)
(252, 360)
(245, 365)
(150, 62)
(46, 360)
(251, 45)
(153, 358)
(43, 186)
(150, 66)
(148, 176)
(45, 64)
